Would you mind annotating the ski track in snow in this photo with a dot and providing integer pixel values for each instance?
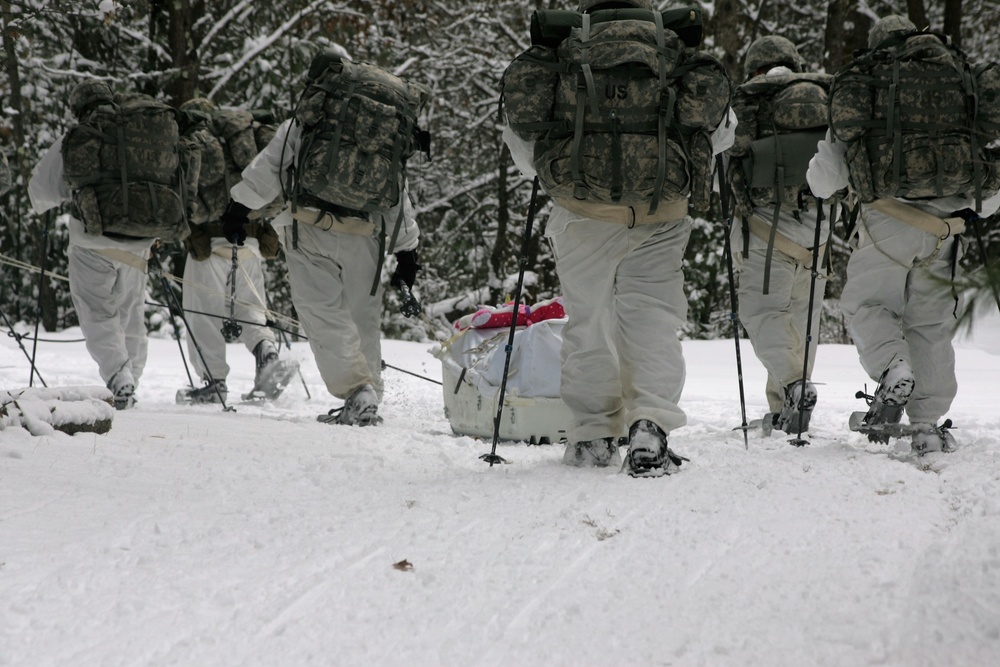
(190, 536)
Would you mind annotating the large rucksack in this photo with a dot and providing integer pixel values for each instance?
(781, 119)
(226, 141)
(359, 129)
(619, 108)
(128, 171)
(908, 111)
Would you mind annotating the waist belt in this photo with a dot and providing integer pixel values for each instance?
(625, 215)
(125, 257)
(333, 223)
(226, 252)
(782, 243)
(940, 228)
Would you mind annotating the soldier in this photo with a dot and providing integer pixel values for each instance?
(782, 115)
(898, 299)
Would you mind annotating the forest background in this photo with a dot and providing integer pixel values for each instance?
(471, 201)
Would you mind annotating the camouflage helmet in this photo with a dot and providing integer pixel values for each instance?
(87, 94)
(588, 5)
(886, 27)
(199, 104)
(772, 51)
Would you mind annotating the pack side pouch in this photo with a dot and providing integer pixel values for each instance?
(236, 129)
(86, 208)
(703, 93)
(529, 91)
(851, 105)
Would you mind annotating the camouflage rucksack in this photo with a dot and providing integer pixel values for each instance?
(359, 129)
(781, 118)
(126, 167)
(620, 110)
(908, 111)
(226, 142)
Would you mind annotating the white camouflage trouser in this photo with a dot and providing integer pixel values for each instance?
(331, 275)
(109, 299)
(623, 290)
(776, 322)
(898, 302)
(206, 289)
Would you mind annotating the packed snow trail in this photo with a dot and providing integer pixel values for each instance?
(188, 535)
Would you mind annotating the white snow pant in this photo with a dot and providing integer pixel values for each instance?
(109, 299)
(623, 290)
(206, 289)
(898, 302)
(331, 275)
(776, 322)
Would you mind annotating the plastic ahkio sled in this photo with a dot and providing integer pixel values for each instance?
(472, 371)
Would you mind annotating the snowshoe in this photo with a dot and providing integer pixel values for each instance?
(598, 453)
(925, 438)
(648, 453)
(886, 405)
(360, 409)
(796, 411)
(214, 391)
(272, 379)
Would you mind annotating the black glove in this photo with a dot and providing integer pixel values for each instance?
(406, 269)
(234, 220)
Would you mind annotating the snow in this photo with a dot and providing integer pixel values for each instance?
(193, 536)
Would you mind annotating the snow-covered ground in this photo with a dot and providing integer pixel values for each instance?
(191, 536)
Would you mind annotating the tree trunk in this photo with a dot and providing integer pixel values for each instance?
(46, 304)
(498, 255)
(953, 21)
(915, 10)
(182, 16)
(840, 41)
(725, 27)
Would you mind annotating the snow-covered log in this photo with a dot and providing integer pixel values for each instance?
(68, 409)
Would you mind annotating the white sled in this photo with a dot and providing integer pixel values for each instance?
(472, 371)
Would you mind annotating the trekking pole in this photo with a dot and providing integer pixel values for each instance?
(13, 334)
(168, 288)
(41, 285)
(492, 457)
(231, 329)
(177, 332)
(733, 314)
(798, 440)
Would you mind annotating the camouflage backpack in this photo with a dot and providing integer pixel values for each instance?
(226, 142)
(620, 109)
(359, 129)
(908, 112)
(781, 119)
(128, 171)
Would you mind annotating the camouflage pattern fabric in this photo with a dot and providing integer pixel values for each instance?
(123, 162)
(771, 51)
(226, 143)
(784, 111)
(988, 101)
(908, 113)
(615, 116)
(359, 129)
